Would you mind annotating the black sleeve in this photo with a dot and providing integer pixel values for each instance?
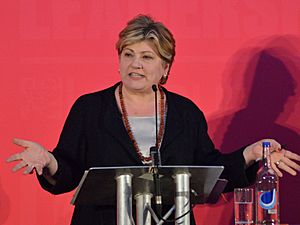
(235, 170)
(69, 152)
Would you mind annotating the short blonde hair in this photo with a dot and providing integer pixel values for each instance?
(144, 28)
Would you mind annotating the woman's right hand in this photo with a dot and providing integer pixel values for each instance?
(34, 156)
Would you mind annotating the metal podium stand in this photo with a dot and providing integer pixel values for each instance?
(181, 186)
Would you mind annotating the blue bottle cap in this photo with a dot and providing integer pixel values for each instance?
(266, 144)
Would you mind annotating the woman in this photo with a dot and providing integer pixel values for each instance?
(116, 127)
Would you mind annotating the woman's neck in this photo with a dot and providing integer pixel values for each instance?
(138, 103)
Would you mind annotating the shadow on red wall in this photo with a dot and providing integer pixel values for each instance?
(260, 100)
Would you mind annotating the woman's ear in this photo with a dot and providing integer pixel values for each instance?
(166, 69)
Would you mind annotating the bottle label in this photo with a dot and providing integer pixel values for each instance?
(267, 200)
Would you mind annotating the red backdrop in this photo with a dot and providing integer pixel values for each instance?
(238, 60)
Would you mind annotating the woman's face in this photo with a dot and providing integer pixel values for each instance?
(141, 67)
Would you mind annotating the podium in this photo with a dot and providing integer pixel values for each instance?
(180, 186)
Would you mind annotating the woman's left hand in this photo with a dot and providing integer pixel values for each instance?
(281, 159)
(284, 160)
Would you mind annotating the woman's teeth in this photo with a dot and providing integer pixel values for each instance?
(136, 75)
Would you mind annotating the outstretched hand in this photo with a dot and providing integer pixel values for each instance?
(281, 159)
(285, 160)
(33, 157)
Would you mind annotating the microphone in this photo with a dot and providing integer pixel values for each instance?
(154, 87)
(154, 151)
(156, 161)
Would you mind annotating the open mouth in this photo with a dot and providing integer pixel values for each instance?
(136, 75)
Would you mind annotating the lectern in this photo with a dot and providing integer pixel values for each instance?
(180, 186)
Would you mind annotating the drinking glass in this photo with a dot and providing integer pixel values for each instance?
(243, 206)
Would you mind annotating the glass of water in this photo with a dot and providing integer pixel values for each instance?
(243, 206)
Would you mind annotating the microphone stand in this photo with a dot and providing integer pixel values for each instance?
(156, 162)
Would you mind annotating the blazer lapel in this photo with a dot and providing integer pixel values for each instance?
(174, 123)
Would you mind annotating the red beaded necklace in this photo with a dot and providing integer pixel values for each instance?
(128, 127)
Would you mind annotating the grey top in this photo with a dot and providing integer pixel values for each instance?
(143, 129)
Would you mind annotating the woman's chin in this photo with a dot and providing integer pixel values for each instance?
(137, 85)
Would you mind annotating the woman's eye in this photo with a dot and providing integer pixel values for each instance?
(127, 54)
(147, 57)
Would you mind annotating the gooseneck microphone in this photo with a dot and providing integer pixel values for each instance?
(156, 161)
(158, 157)
(154, 88)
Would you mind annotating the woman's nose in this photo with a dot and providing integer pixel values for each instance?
(136, 63)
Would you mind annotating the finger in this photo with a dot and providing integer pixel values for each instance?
(14, 157)
(290, 163)
(277, 171)
(39, 169)
(21, 142)
(275, 146)
(290, 155)
(29, 169)
(19, 166)
(286, 168)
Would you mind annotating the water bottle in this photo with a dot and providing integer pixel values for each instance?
(267, 191)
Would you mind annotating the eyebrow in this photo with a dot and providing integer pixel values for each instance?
(141, 52)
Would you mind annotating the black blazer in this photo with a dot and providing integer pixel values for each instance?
(94, 135)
